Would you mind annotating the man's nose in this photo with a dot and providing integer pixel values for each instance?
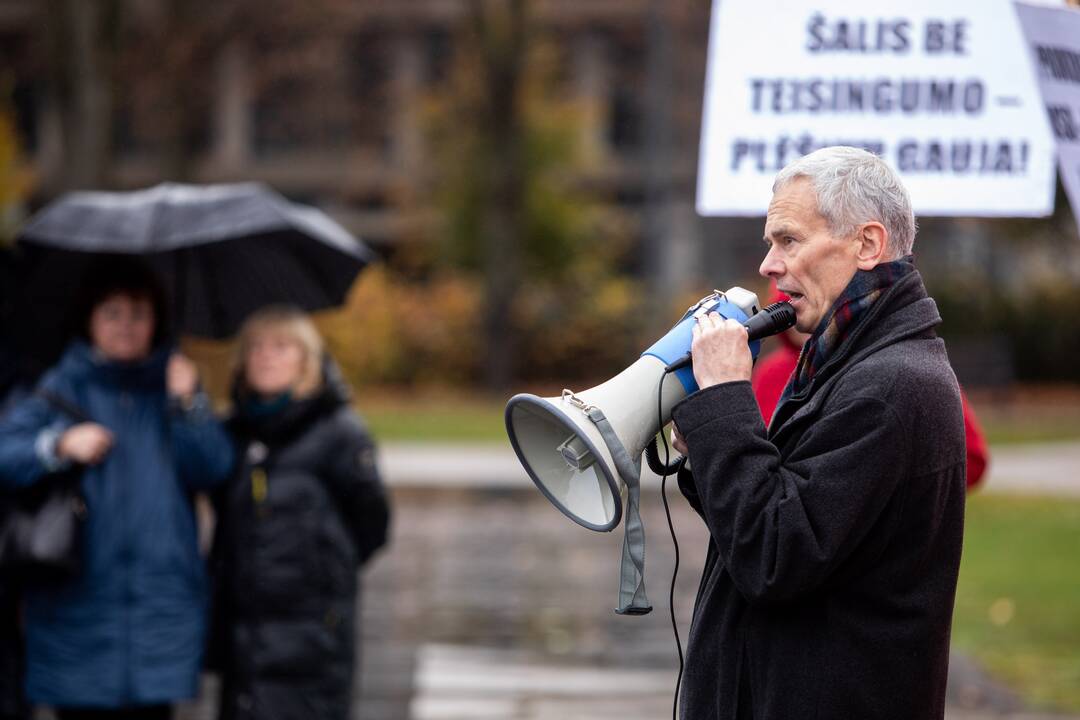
(771, 266)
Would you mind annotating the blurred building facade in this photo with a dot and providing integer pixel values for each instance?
(326, 107)
(326, 104)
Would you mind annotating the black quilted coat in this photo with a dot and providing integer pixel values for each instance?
(304, 513)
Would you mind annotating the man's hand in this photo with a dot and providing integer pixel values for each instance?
(85, 443)
(181, 377)
(720, 350)
(678, 441)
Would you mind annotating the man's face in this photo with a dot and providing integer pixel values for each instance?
(804, 259)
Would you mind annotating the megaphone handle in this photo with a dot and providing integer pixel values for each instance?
(772, 320)
(652, 457)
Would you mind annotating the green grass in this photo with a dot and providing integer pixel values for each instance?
(1011, 428)
(403, 415)
(439, 418)
(1026, 414)
(1018, 600)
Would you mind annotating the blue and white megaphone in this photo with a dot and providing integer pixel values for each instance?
(569, 456)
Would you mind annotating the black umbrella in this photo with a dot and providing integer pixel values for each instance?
(221, 251)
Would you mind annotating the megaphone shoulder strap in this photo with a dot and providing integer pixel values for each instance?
(632, 598)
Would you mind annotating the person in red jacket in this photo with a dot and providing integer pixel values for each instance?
(772, 372)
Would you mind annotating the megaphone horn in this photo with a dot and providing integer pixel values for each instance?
(561, 447)
(583, 450)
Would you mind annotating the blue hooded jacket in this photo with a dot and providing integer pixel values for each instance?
(130, 629)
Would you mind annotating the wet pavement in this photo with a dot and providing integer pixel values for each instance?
(497, 579)
(492, 604)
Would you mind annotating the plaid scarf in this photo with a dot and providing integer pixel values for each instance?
(859, 295)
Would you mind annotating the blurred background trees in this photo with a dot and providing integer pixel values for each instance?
(16, 178)
(526, 168)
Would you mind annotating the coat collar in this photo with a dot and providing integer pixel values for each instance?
(904, 311)
(83, 364)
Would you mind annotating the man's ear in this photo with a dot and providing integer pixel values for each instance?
(873, 242)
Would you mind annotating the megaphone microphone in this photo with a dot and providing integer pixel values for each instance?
(772, 320)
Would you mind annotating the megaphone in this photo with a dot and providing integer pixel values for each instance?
(575, 460)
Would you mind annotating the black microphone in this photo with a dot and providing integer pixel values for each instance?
(773, 319)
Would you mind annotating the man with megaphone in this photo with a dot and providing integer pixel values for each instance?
(835, 533)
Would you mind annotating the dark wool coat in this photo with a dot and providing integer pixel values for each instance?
(772, 372)
(835, 536)
(303, 514)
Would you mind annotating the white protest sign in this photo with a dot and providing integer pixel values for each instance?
(1054, 37)
(944, 92)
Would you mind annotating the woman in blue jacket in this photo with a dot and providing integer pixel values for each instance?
(124, 638)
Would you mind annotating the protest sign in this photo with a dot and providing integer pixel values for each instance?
(1053, 35)
(945, 93)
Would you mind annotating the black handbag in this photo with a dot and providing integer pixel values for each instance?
(41, 530)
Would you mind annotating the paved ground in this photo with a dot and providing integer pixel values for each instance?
(1045, 468)
(491, 605)
(459, 683)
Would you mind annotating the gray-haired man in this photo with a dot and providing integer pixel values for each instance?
(835, 533)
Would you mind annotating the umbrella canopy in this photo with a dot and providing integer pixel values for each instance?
(221, 252)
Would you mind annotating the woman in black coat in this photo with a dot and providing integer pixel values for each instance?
(304, 513)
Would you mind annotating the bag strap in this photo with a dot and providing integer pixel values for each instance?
(63, 405)
(632, 598)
